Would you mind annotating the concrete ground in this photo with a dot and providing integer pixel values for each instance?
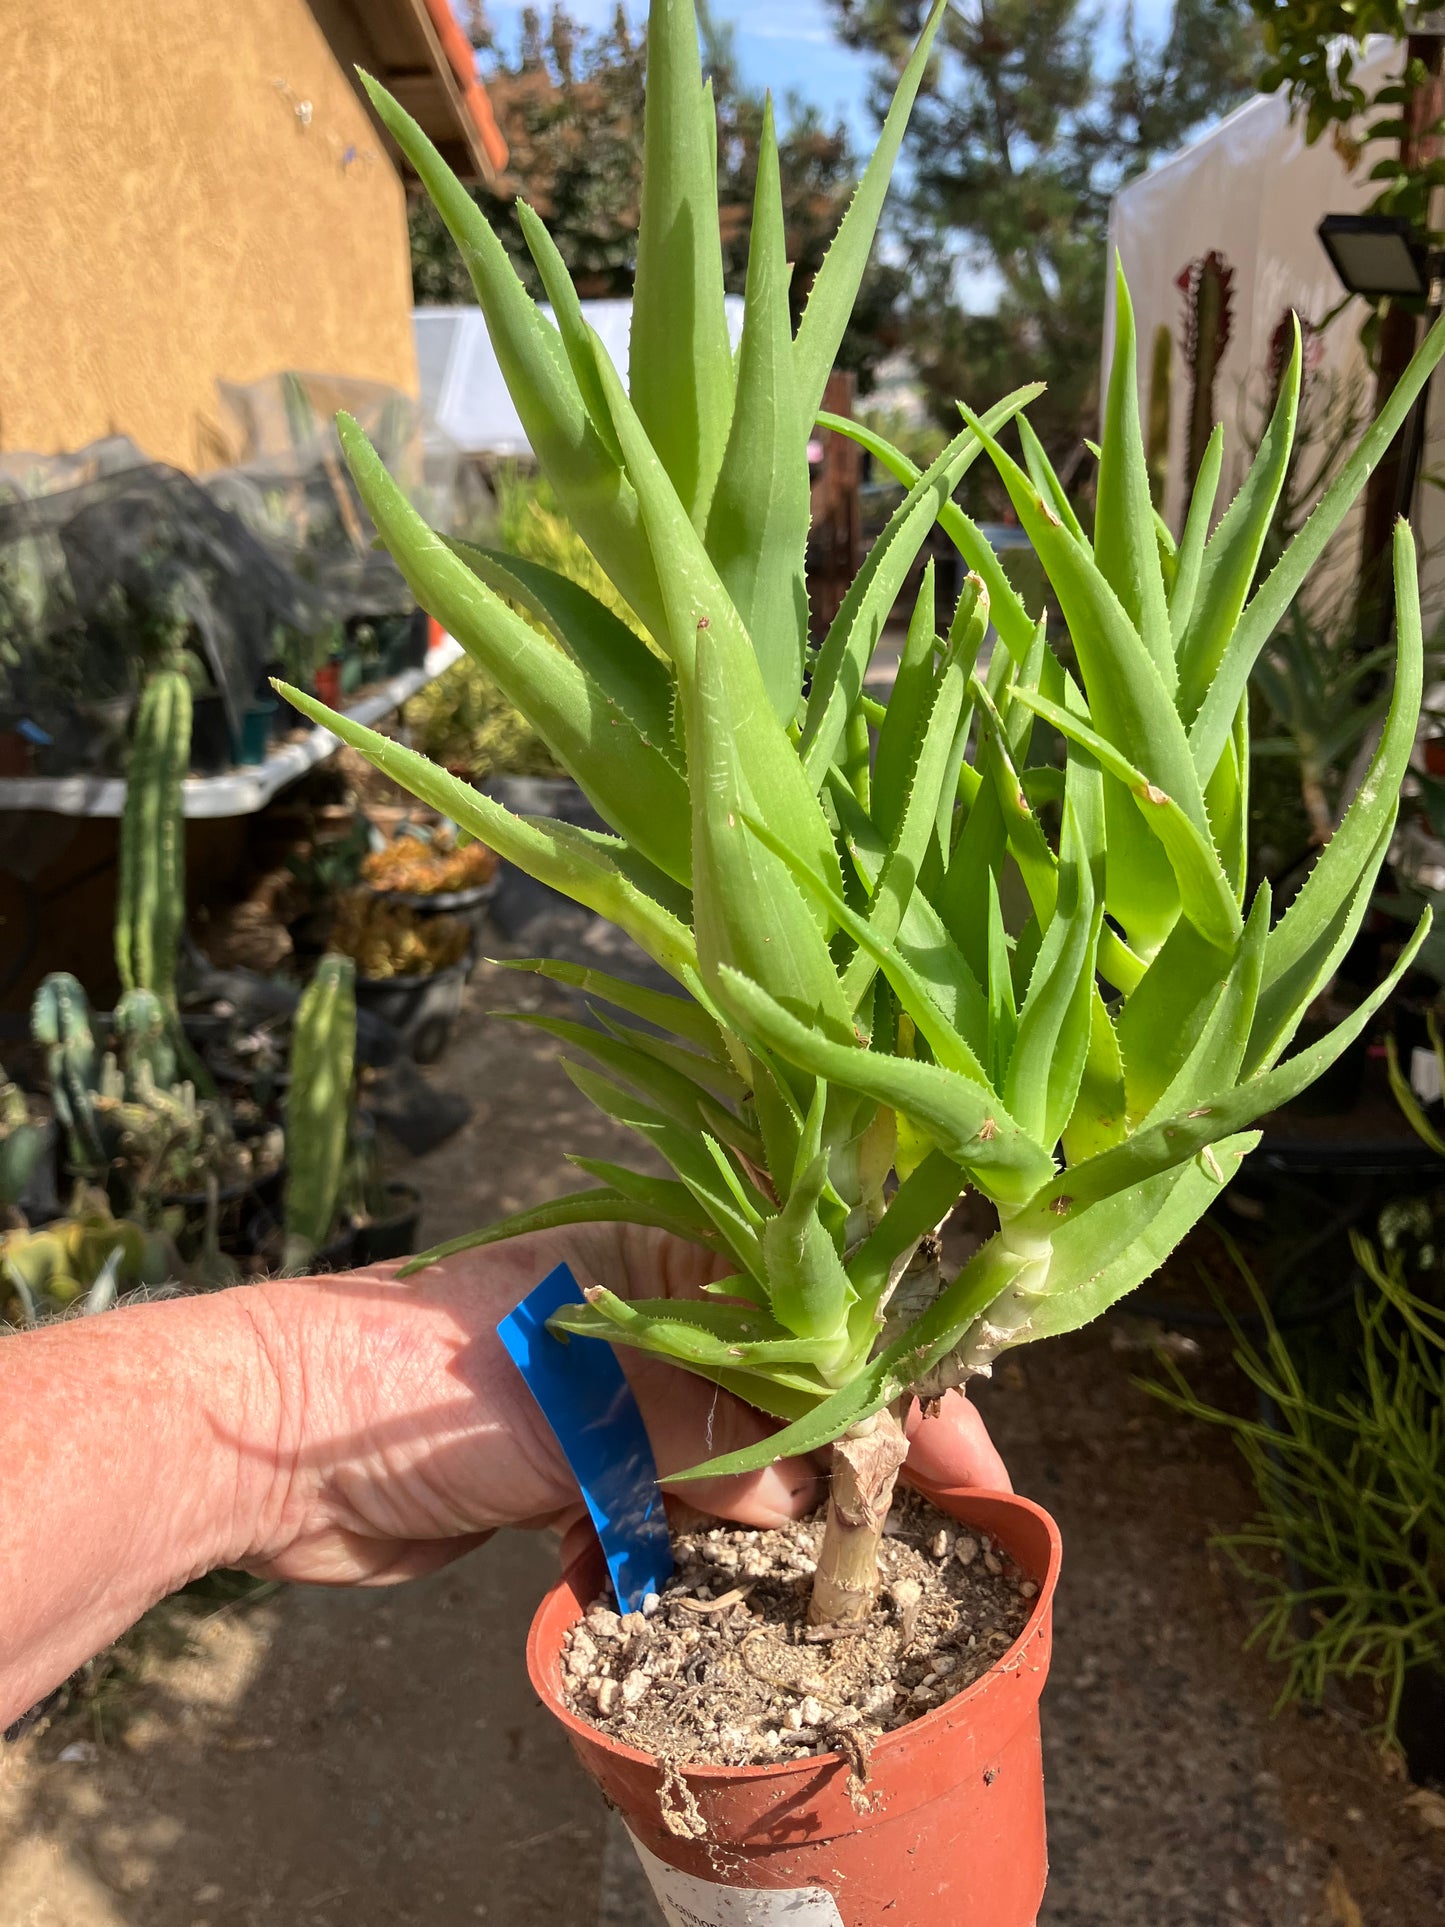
(378, 1759)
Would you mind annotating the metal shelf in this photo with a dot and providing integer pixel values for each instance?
(238, 792)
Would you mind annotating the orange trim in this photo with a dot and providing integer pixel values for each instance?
(458, 50)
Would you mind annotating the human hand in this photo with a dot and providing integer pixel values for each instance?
(407, 1435)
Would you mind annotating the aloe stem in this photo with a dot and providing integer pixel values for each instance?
(866, 1462)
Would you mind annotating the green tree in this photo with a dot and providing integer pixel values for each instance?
(1031, 120)
(570, 105)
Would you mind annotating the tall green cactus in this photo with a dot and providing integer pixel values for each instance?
(318, 1110)
(144, 1036)
(60, 1021)
(151, 899)
(21, 1143)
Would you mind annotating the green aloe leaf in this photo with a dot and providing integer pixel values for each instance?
(586, 868)
(922, 1201)
(1206, 896)
(1304, 942)
(903, 719)
(749, 912)
(1030, 847)
(579, 1207)
(914, 993)
(737, 1222)
(808, 1288)
(635, 682)
(1012, 620)
(1189, 557)
(830, 303)
(963, 1119)
(917, 826)
(679, 1015)
(1218, 1055)
(1125, 547)
(1158, 1147)
(1231, 556)
(757, 530)
(1045, 479)
(674, 1091)
(698, 609)
(594, 492)
(1100, 1114)
(633, 786)
(849, 644)
(681, 367)
(567, 310)
(1271, 602)
(1047, 1060)
(1103, 1253)
(1161, 1022)
(664, 1197)
(1128, 697)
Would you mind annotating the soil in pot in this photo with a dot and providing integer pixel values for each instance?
(724, 1670)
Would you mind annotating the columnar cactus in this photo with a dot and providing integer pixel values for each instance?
(60, 1021)
(318, 1108)
(21, 1143)
(151, 897)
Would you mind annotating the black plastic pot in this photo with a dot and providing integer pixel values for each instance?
(396, 1234)
(421, 1009)
(1422, 1724)
(248, 1212)
(337, 1254)
(210, 736)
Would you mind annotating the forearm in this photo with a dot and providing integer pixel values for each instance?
(139, 1450)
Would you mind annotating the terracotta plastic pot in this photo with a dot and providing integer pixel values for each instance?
(953, 1831)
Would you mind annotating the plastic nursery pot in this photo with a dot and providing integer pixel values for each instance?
(256, 726)
(210, 735)
(422, 1009)
(326, 681)
(952, 1831)
(394, 1233)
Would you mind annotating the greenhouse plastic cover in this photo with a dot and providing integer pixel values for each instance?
(108, 560)
(1252, 191)
(462, 388)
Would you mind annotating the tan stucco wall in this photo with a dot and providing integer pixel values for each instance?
(167, 218)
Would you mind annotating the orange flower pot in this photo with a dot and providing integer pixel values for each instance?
(953, 1831)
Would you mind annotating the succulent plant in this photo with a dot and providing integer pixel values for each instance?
(318, 1109)
(1003, 948)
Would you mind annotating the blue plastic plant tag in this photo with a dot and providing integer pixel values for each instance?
(589, 1405)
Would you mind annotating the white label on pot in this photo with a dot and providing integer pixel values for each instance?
(1425, 1076)
(689, 1902)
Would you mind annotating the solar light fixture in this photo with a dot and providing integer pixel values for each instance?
(1377, 254)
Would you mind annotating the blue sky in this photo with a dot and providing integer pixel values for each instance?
(789, 45)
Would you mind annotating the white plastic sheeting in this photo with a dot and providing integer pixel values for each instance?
(461, 384)
(1254, 192)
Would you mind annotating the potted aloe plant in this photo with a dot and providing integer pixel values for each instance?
(993, 937)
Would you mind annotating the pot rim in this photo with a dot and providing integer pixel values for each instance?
(809, 1766)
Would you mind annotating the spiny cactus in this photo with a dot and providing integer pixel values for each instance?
(150, 901)
(318, 1109)
(60, 1021)
(21, 1143)
(127, 1115)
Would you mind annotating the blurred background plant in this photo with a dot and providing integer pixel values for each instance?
(1347, 1550)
